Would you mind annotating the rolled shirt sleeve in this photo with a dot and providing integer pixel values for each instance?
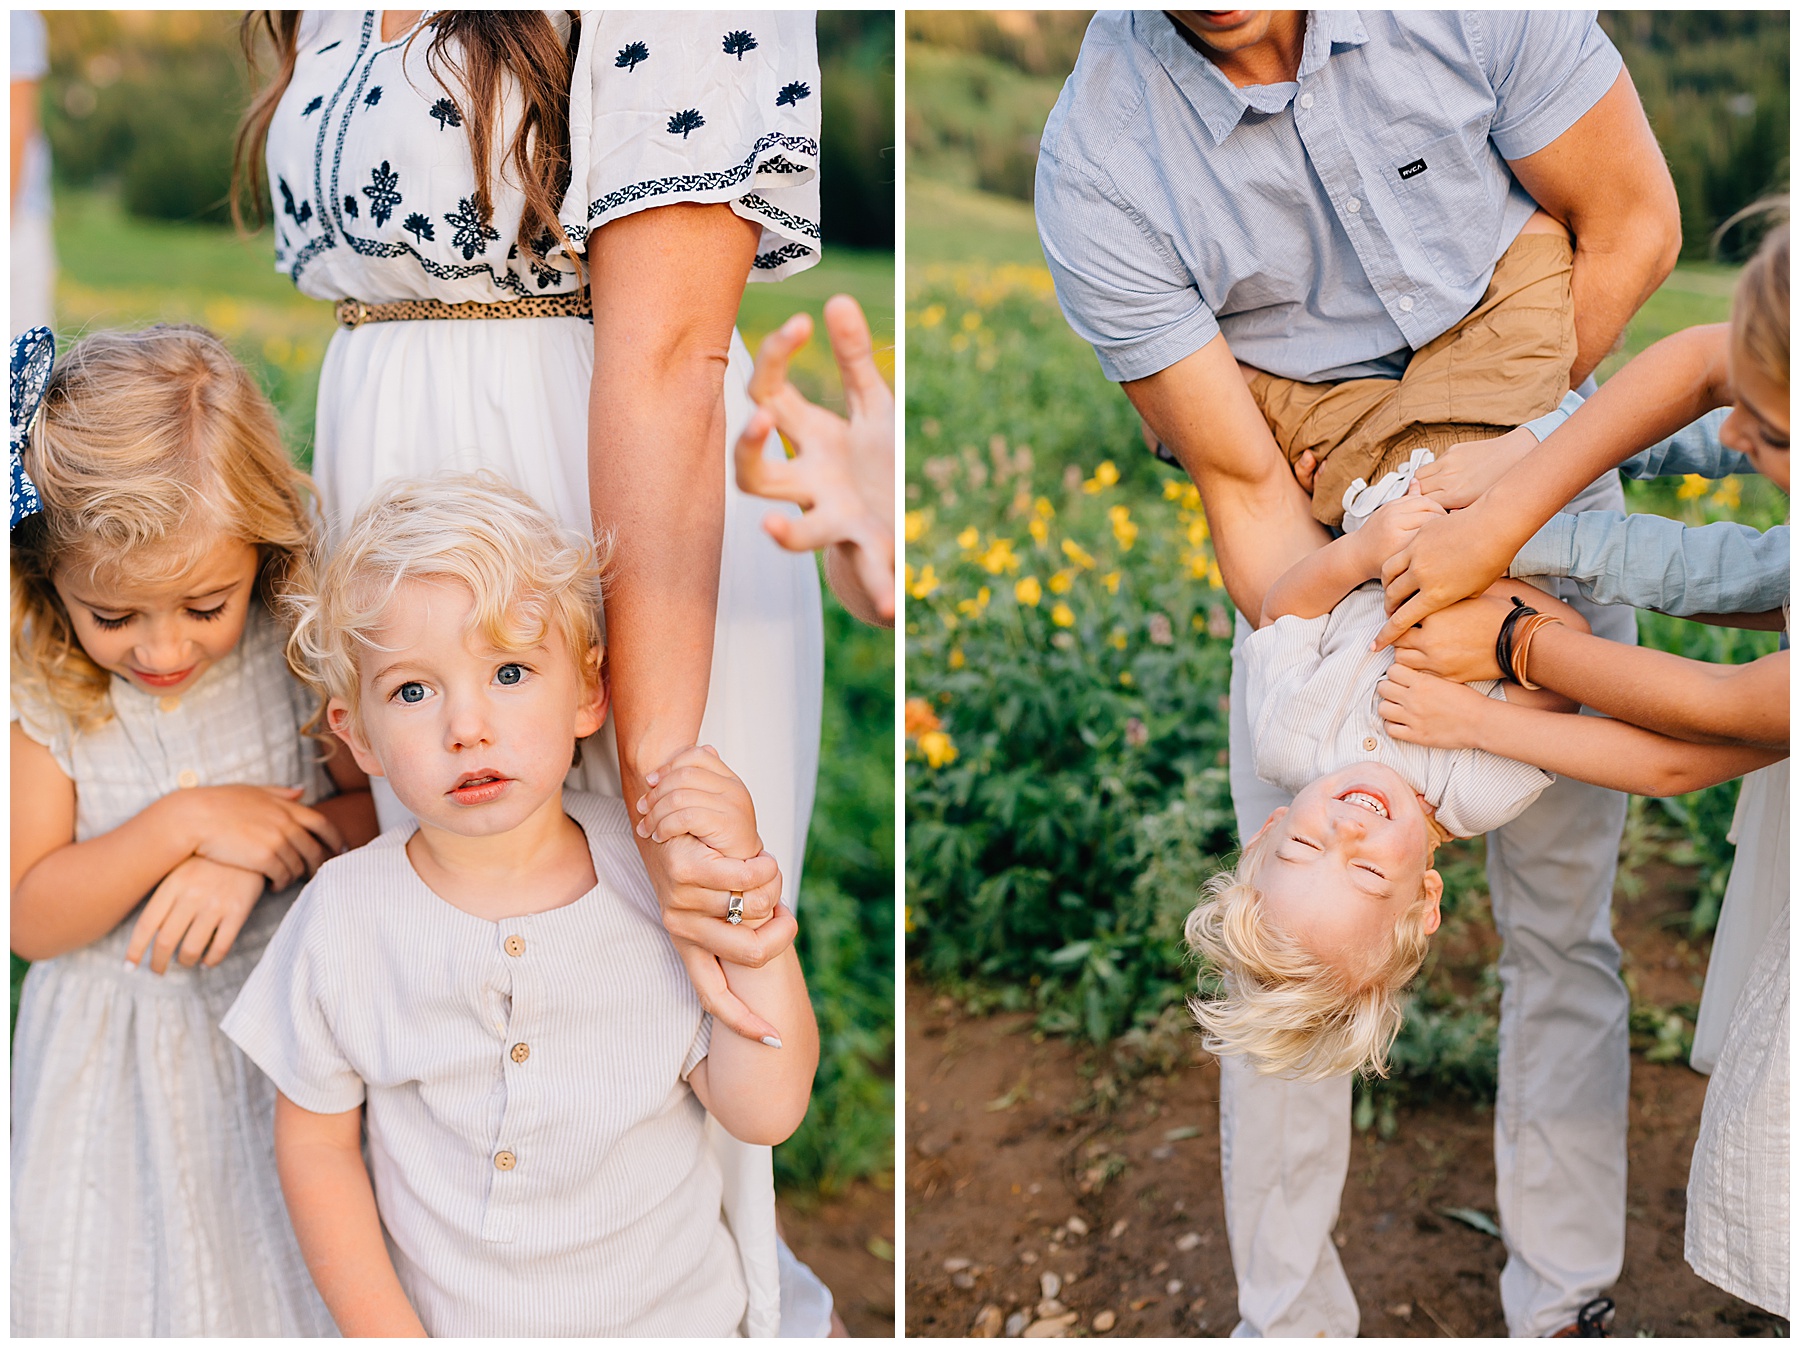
(1129, 298)
(1548, 68)
(1694, 449)
(1650, 561)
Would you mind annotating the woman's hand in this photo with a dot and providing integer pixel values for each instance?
(695, 793)
(1458, 476)
(197, 911)
(1420, 708)
(1449, 558)
(842, 472)
(1456, 643)
(258, 828)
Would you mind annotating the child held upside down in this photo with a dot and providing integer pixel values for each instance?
(1330, 909)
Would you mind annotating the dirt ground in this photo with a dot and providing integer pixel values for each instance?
(849, 1242)
(1013, 1179)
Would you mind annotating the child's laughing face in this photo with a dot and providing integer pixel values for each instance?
(1338, 867)
(474, 740)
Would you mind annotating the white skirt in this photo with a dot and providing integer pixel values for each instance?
(511, 396)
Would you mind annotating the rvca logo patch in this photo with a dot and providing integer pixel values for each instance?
(1412, 170)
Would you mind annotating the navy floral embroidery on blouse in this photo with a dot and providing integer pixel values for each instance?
(420, 227)
(445, 112)
(301, 213)
(737, 42)
(350, 208)
(373, 98)
(683, 122)
(472, 232)
(630, 54)
(328, 46)
(381, 192)
(792, 93)
(312, 107)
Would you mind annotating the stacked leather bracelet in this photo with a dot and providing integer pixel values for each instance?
(1512, 647)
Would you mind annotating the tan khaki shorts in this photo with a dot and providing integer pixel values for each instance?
(1504, 364)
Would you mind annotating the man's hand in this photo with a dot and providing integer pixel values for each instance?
(198, 910)
(1458, 476)
(1421, 708)
(842, 472)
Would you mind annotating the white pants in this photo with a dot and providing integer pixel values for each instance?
(1565, 1064)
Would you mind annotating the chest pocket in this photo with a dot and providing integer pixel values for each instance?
(1449, 205)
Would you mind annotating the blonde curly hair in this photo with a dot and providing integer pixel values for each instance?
(1281, 1006)
(528, 576)
(150, 445)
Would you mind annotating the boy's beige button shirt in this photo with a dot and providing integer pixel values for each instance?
(566, 1190)
(1311, 689)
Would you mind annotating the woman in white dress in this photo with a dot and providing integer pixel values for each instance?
(691, 160)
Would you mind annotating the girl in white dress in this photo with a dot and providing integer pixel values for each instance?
(165, 807)
(652, 163)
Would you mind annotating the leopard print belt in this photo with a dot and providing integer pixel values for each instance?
(354, 313)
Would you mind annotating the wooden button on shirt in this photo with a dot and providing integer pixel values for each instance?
(169, 703)
(505, 1160)
(520, 1052)
(515, 946)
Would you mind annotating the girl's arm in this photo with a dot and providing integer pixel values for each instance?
(1669, 385)
(759, 1091)
(332, 1206)
(66, 894)
(1420, 708)
(666, 285)
(1312, 586)
(352, 809)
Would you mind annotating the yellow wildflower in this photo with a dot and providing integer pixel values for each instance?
(1126, 680)
(1171, 490)
(957, 658)
(1117, 639)
(1028, 591)
(1063, 616)
(909, 920)
(926, 583)
(971, 321)
(937, 748)
(1061, 581)
(1111, 581)
(1104, 476)
(1040, 532)
(1213, 578)
(932, 316)
(1123, 528)
(1729, 495)
(908, 577)
(974, 608)
(920, 717)
(999, 557)
(1044, 509)
(1692, 487)
(969, 539)
(1078, 554)
(915, 525)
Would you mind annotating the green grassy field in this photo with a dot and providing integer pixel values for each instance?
(119, 271)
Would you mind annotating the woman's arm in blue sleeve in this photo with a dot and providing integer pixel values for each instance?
(1694, 448)
(1649, 561)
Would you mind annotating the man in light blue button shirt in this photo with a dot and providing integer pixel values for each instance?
(1318, 195)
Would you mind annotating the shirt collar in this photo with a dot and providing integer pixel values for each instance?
(1220, 103)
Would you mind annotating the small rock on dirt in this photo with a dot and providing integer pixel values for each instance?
(1104, 1322)
(987, 1322)
(1191, 1241)
(1141, 1302)
(1160, 1267)
(957, 1265)
(964, 1281)
(1118, 1228)
(1015, 1325)
(1076, 1226)
(1057, 1327)
(1173, 1287)
(1049, 1308)
(1403, 1311)
(1197, 1305)
(1028, 1257)
(1051, 1284)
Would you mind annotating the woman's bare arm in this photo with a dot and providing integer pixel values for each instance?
(332, 1207)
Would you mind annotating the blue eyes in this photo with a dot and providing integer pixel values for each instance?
(411, 692)
(509, 674)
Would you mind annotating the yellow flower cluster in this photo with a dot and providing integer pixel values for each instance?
(1106, 475)
(1123, 529)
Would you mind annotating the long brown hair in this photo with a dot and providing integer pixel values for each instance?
(478, 47)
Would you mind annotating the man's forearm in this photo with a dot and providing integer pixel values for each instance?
(1313, 586)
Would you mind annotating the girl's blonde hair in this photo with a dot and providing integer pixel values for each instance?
(1281, 1006)
(1759, 309)
(528, 575)
(150, 445)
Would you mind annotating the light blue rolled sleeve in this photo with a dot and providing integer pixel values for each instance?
(1695, 448)
(1650, 561)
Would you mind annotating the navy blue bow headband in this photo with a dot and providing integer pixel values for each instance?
(33, 354)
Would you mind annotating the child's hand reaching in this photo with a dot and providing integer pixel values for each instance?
(1421, 708)
(1391, 528)
(258, 828)
(695, 793)
(196, 911)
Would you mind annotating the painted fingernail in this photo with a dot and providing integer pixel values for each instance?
(771, 1041)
